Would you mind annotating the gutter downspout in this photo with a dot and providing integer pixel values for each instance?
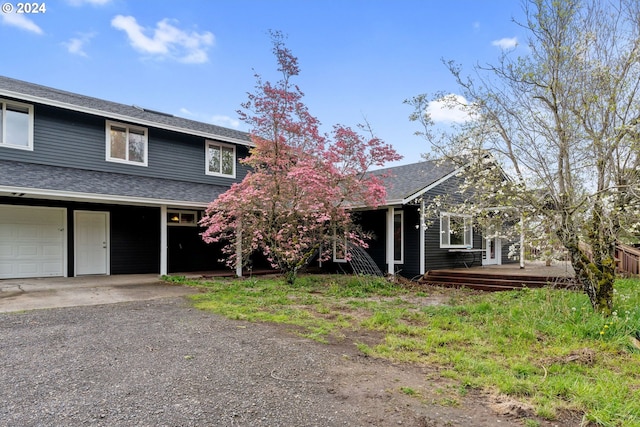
(421, 231)
(239, 251)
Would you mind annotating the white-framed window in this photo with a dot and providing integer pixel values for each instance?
(398, 237)
(456, 230)
(339, 248)
(220, 159)
(127, 144)
(16, 125)
(182, 218)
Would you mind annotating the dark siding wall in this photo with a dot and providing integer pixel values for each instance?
(374, 222)
(135, 240)
(506, 244)
(436, 257)
(411, 266)
(72, 139)
(188, 252)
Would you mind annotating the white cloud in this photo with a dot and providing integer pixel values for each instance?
(506, 43)
(225, 121)
(76, 45)
(449, 109)
(19, 20)
(168, 41)
(218, 119)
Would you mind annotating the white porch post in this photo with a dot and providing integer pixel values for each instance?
(521, 240)
(239, 250)
(163, 240)
(421, 228)
(390, 264)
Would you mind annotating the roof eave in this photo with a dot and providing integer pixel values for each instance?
(387, 203)
(100, 198)
(121, 117)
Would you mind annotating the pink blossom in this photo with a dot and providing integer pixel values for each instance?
(302, 183)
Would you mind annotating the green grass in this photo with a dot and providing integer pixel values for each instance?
(543, 347)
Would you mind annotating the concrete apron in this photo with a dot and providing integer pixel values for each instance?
(55, 292)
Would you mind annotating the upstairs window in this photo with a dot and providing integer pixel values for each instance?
(127, 144)
(456, 231)
(16, 125)
(221, 159)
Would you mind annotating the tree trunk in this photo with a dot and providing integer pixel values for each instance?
(596, 274)
(597, 279)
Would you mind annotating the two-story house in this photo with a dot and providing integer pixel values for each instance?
(89, 186)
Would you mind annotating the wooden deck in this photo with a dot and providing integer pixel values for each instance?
(504, 277)
(531, 268)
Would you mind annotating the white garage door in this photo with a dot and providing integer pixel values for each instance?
(32, 241)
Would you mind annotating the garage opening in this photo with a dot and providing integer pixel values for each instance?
(32, 241)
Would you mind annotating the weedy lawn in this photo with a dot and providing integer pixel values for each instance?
(543, 347)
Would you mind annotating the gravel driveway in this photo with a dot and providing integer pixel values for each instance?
(163, 363)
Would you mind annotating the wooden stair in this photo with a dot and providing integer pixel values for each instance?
(492, 281)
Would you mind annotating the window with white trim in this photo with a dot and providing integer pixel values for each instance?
(339, 248)
(398, 237)
(127, 144)
(182, 218)
(16, 125)
(456, 231)
(221, 159)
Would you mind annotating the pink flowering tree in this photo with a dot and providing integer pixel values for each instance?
(294, 203)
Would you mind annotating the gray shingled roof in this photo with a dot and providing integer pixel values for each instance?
(404, 181)
(73, 101)
(100, 184)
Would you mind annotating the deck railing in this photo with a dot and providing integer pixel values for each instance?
(627, 258)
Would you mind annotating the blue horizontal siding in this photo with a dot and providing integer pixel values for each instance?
(72, 139)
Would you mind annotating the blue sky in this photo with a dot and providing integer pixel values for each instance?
(359, 59)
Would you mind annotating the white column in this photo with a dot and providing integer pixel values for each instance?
(390, 264)
(521, 240)
(239, 251)
(421, 231)
(163, 240)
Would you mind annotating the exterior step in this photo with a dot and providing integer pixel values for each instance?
(492, 281)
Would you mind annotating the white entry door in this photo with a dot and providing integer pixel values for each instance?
(91, 242)
(492, 246)
(493, 251)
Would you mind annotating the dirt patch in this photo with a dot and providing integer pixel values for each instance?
(582, 356)
(408, 394)
(390, 394)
